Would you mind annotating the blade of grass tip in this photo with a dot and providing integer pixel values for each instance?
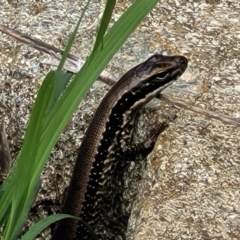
(91, 231)
(122, 29)
(71, 39)
(104, 24)
(42, 224)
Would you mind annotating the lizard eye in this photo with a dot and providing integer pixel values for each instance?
(183, 62)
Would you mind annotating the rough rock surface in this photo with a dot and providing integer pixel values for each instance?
(190, 185)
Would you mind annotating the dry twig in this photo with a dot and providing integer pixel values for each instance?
(75, 62)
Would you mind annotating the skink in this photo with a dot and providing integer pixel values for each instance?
(108, 139)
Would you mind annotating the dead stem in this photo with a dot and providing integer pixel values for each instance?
(107, 78)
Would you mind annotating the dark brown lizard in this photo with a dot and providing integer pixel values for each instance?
(108, 139)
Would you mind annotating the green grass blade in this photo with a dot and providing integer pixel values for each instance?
(71, 39)
(121, 30)
(46, 222)
(22, 197)
(104, 24)
(42, 224)
(60, 80)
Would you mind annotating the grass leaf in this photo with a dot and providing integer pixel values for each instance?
(42, 224)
